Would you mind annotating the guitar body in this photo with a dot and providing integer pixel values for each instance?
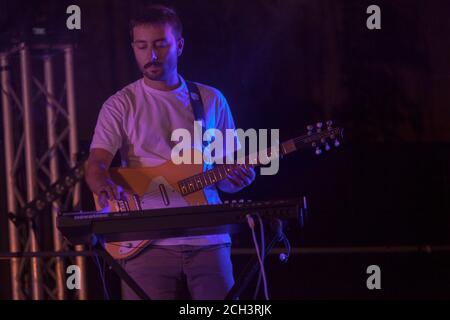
(150, 188)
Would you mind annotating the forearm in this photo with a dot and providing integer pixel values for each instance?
(97, 175)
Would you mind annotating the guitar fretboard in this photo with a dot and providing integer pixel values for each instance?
(207, 178)
(218, 173)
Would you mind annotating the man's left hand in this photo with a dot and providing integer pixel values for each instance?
(239, 178)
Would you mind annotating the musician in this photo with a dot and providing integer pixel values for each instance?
(138, 121)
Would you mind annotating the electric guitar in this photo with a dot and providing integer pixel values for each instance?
(171, 185)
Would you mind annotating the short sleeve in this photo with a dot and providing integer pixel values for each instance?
(109, 129)
(225, 120)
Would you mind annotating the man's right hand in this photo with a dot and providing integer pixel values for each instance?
(98, 179)
(108, 191)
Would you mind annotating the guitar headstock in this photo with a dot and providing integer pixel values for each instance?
(321, 137)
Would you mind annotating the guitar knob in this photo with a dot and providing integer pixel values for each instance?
(241, 201)
(329, 123)
(327, 147)
(336, 143)
(318, 151)
(310, 127)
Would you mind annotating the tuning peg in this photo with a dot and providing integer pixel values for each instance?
(241, 201)
(329, 124)
(327, 147)
(336, 143)
(318, 151)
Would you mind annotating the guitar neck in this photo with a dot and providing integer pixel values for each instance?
(219, 172)
(208, 178)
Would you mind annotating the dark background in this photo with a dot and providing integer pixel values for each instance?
(285, 64)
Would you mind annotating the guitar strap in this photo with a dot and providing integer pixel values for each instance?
(197, 106)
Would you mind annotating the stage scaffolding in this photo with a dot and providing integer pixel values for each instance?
(40, 141)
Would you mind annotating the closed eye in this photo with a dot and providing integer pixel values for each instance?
(161, 44)
(140, 45)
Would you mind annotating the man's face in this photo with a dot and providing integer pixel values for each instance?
(156, 50)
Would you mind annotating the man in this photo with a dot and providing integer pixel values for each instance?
(138, 121)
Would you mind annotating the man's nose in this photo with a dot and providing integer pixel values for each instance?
(154, 56)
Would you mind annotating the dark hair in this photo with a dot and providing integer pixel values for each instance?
(157, 14)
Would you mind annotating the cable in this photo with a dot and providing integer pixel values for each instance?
(285, 256)
(251, 224)
(102, 276)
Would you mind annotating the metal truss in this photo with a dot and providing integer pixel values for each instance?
(40, 141)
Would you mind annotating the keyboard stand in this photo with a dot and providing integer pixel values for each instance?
(98, 247)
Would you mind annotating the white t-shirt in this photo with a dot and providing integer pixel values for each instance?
(139, 120)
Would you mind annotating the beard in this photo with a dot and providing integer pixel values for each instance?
(155, 76)
(155, 73)
(160, 70)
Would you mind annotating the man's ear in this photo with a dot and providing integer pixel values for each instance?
(180, 46)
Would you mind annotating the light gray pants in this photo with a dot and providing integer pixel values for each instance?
(165, 272)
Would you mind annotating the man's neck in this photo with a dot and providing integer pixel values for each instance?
(171, 83)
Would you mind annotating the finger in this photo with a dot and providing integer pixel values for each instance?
(121, 192)
(247, 173)
(124, 195)
(251, 170)
(107, 190)
(103, 199)
(233, 180)
(104, 193)
(114, 192)
(237, 176)
(242, 177)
